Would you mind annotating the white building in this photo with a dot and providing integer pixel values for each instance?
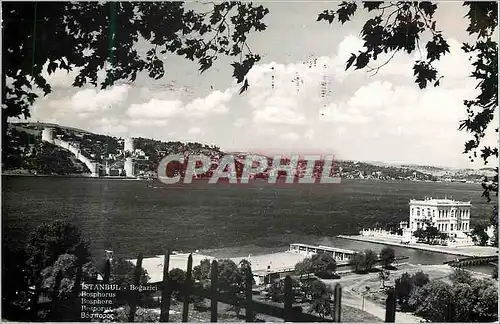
(128, 145)
(448, 216)
(129, 167)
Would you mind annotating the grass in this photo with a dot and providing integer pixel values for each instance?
(225, 314)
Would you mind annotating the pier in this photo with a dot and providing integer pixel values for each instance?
(337, 254)
(473, 261)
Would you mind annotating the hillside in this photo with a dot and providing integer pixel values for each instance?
(25, 152)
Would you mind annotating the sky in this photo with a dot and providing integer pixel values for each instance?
(383, 117)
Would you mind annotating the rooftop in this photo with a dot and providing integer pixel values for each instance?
(437, 201)
(326, 248)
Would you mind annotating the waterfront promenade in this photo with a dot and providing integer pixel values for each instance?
(466, 251)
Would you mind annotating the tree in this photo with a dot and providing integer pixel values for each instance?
(473, 300)
(404, 286)
(401, 26)
(420, 234)
(460, 276)
(443, 236)
(323, 265)
(432, 300)
(66, 265)
(177, 278)
(230, 277)
(465, 298)
(49, 241)
(494, 222)
(357, 261)
(59, 280)
(304, 267)
(420, 279)
(479, 235)
(202, 271)
(321, 296)
(387, 255)
(384, 276)
(486, 308)
(90, 37)
(430, 234)
(371, 259)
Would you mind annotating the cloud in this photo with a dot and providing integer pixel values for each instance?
(147, 122)
(290, 136)
(155, 109)
(214, 103)
(60, 78)
(359, 115)
(195, 131)
(110, 126)
(239, 122)
(278, 115)
(92, 100)
(310, 134)
(343, 114)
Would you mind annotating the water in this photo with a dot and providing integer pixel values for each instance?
(131, 217)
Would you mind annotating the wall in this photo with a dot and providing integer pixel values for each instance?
(48, 136)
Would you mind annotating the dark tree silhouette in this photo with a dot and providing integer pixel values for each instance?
(400, 26)
(387, 255)
(92, 36)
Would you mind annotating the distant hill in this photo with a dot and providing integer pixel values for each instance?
(26, 151)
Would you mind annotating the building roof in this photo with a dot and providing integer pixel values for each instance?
(322, 247)
(439, 202)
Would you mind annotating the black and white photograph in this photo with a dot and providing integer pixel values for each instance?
(266, 161)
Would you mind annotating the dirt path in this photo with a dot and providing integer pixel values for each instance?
(353, 286)
(379, 311)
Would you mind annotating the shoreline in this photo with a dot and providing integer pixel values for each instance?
(69, 176)
(460, 251)
(26, 174)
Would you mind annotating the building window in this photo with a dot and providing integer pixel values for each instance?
(433, 213)
(418, 211)
(451, 227)
(412, 211)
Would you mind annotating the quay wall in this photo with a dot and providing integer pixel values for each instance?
(470, 251)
